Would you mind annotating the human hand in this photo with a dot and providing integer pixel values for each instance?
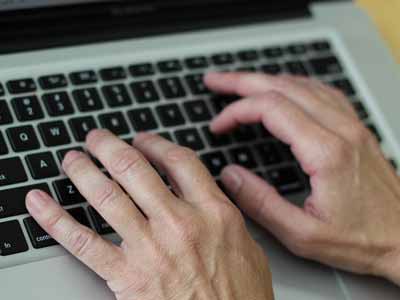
(351, 220)
(191, 245)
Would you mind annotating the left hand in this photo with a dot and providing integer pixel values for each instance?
(191, 246)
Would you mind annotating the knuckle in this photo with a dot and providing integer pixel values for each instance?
(125, 160)
(180, 154)
(106, 195)
(359, 135)
(53, 220)
(186, 229)
(81, 242)
(338, 152)
(226, 213)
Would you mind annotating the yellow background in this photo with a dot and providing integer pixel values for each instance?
(386, 14)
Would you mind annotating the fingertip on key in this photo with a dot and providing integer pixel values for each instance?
(36, 201)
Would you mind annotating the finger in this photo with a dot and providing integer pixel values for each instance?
(326, 111)
(331, 95)
(181, 164)
(133, 172)
(101, 256)
(262, 203)
(104, 195)
(282, 118)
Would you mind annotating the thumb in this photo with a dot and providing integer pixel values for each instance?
(261, 202)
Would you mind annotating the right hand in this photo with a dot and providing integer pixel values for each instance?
(351, 220)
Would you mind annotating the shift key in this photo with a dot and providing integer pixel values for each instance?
(12, 201)
(12, 171)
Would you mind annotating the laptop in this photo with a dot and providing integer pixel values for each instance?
(68, 66)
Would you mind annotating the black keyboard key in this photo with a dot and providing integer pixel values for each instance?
(220, 102)
(81, 127)
(216, 140)
(296, 68)
(345, 86)
(42, 165)
(168, 66)
(83, 77)
(393, 163)
(145, 91)
(23, 138)
(273, 52)
(272, 69)
(170, 115)
(286, 152)
(286, 180)
(321, 46)
(297, 49)
(142, 119)
(87, 99)
(248, 55)
(116, 95)
(79, 215)
(247, 69)
(198, 62)
(5, 113)
(2, 90)
(21, 86)
(115, 122)
(222, 59)
(39, 238)
(326, 65)
(67, 193)
(140, 70)
(54, 133)
(172, 87)
(197, 111)
(245, 134)
(189, 138)
(269, 153)
(17, 206)
(166, 135)
(3, 145)
(101, 226)
(51, 82)
(375, 132)
(215, 162)
(196, 84)
(114, 73)
(27, 108)
(12, 171)
(12, 240)
(244, 157)
(61, 153)
(361, 110)
(58, 104)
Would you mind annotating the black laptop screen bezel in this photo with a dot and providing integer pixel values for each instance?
(55, 26)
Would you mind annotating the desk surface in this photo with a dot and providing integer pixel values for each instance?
(386, 13)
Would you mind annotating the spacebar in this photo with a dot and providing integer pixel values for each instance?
(12, 201)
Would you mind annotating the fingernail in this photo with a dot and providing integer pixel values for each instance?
(232, 179)
(37, 200)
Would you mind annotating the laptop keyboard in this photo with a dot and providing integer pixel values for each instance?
(43, 118)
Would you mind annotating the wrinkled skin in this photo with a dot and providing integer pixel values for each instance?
(352, 218)
(192, 243)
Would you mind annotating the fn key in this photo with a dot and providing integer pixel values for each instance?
(12, 240)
